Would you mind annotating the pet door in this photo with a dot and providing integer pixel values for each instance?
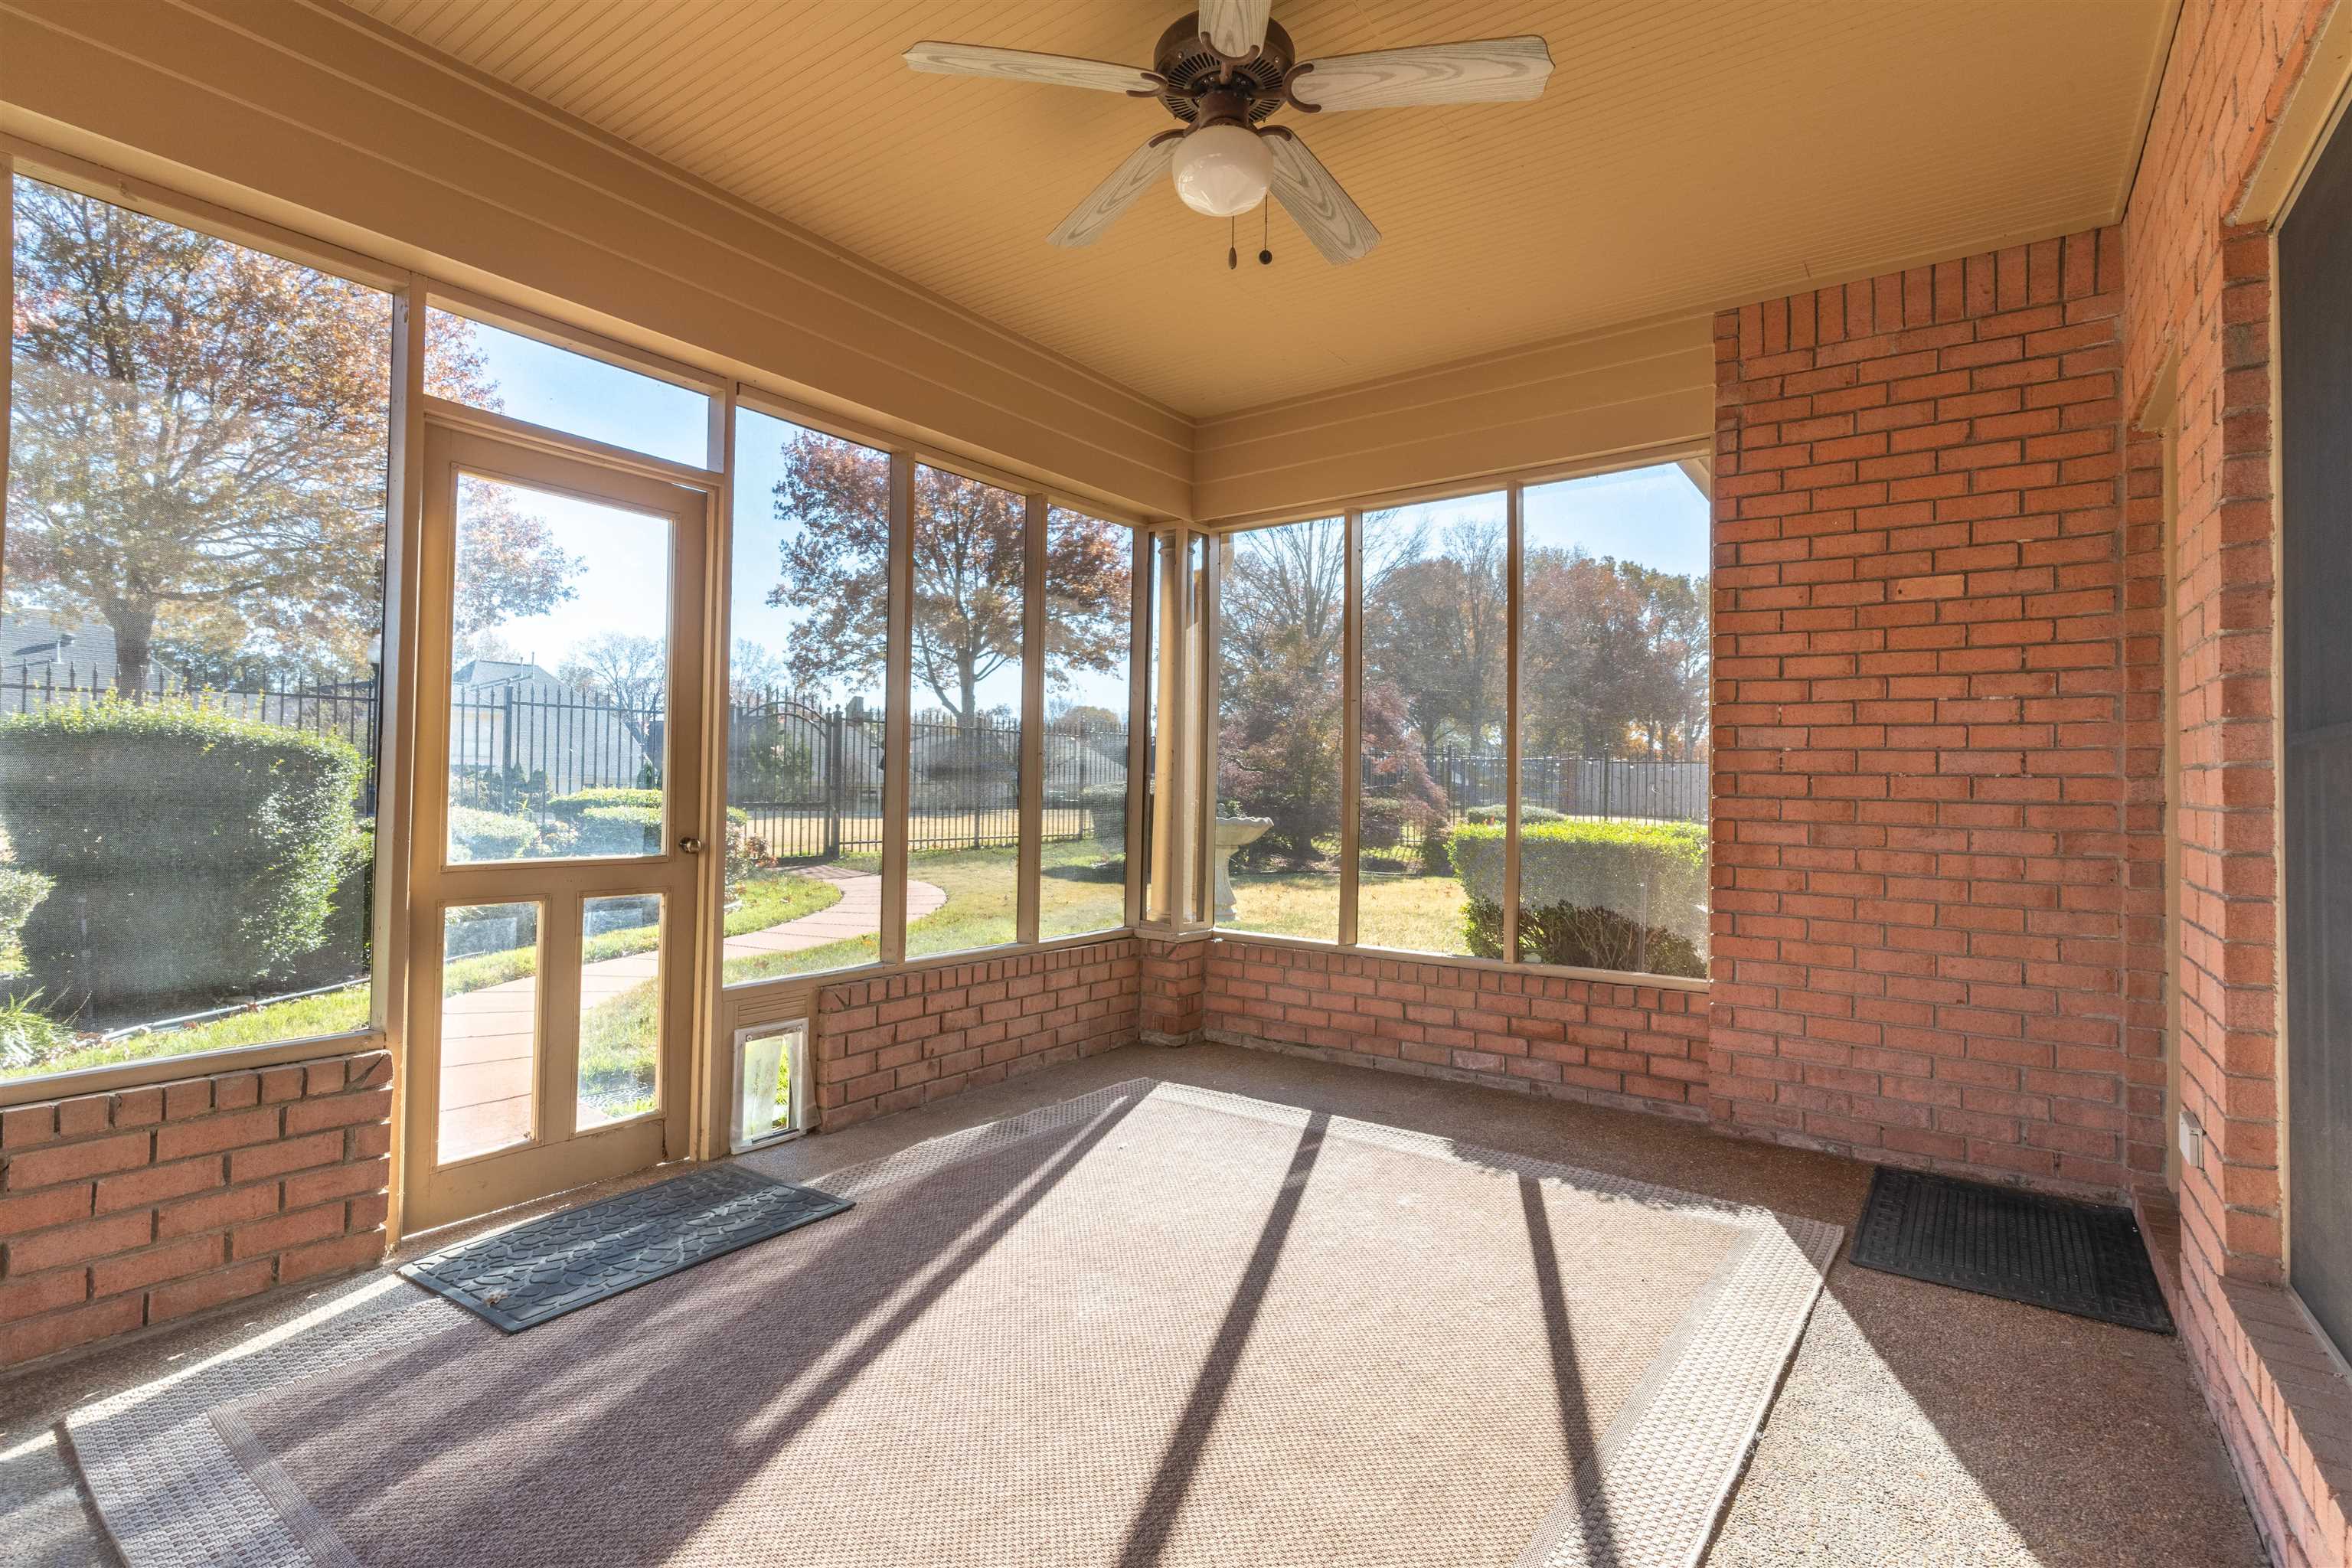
(772, 1083)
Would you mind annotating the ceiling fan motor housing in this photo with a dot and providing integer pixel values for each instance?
(1197, 89)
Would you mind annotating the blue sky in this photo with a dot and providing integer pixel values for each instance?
(622, 583)
(1654, 516)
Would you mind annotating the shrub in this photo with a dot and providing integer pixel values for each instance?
(1436, 849)
(615, 821)
(19, 891)
(1583, 936)
(619, 830)
(610, 820)
(580, 802)
(193, 851)
(1596, 895)
(1106, 815)
(1492, 815)
(1379, 822)
(31, 1040)
(350, 937)
(476, 835)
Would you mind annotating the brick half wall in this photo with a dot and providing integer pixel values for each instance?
(119, 1211)
(904, 1040)
(1926, 882)
(1641, 1046)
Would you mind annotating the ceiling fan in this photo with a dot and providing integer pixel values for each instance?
(1222, 71)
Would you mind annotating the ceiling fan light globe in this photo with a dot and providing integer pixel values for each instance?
(1221, 169)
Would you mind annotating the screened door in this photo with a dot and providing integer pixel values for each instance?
(557, 846)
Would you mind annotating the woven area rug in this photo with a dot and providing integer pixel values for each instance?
(1155, 1324)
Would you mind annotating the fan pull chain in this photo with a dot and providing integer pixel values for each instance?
(1233, 244)
(1266, 235)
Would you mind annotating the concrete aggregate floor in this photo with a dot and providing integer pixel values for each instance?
(1917, 1424)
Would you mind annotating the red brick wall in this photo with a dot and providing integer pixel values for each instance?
(904, 1040)
(1173, 974)
(2198, 307)
(126, 1209)
(1633, 1045)
(2197, 297)
(1924, 872)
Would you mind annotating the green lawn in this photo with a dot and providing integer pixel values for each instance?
(1422, 914)
(1075, 895)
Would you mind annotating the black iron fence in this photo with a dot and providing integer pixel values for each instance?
(810, 779)
(808, 776)
(1607, 787)
(514, 745)
(1649, 791)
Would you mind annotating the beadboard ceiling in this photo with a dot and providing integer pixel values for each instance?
(1688, 155)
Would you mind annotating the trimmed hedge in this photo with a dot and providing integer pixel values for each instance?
(479, 835)
(1594, 895)
(19, 891)
(580, 802)
(1529, 814)
(617, 830)
(194, 852)
(611, 820)
(351, 938)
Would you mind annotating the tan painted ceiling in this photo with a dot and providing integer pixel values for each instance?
(1688, 155)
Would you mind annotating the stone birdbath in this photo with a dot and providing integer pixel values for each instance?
(1232, 832)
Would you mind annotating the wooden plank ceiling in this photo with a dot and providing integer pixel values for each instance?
(1688, 155)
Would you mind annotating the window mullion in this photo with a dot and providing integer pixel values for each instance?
(1204, 756)
(1351, 724)
(1170, 846)
(8, 359)
(1138, 718)
(1512, 551)
(1033, 717)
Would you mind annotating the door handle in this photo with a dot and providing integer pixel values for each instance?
(692, 845)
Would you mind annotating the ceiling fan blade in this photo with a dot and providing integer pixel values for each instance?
(1236, 26)
(1489, 71)
(1315, 201)
(1102, 206)
(1020, 65)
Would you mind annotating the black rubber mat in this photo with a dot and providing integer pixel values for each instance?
(2084, 1259)
(563, 1261)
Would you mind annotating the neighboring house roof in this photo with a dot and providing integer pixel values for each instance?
(512, 713)
(505, 672)
(30, 640)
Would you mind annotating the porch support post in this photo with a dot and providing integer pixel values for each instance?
(391, 931)
(1033, 717)
(1514, 551)
(898, 678)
